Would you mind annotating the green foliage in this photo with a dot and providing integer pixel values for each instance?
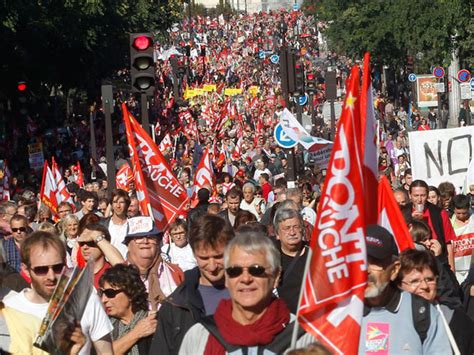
(393, 29)
(73, 43)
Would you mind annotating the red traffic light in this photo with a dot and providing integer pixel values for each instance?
(141, 43)
(21, 86)
(310, 77)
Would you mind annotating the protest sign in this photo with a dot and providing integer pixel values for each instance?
(441, 155)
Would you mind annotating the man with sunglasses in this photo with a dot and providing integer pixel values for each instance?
(43, 261)
(12, 244)
(253, 320)
(203, 286)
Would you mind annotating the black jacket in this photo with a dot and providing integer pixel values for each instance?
(179, 312)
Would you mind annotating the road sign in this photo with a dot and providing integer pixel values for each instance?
(303, 100)
(275, 59)
(412, 77)
(464, 75)
(295, 7)
(282, 139)
(438, 72)
(465, 89)
(439, 87)
(472, 84)
(261, 55)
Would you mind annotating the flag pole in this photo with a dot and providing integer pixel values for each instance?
(294, 335)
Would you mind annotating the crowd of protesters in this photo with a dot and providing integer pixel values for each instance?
(228, 275)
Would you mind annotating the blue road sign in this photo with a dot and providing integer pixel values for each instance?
(464, 75)
(472, 84)
(296, 7)
(303, 100)
(282, 139)
(261, 55)
(275, 59)
(438, 72)
(412, 77)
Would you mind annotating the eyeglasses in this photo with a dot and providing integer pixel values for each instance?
(21, 229)
(178, 234)
(254, 270)
(43, 270)
(90, 244)
(108, 292)
(417, 283)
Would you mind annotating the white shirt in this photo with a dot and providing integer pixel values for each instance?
(184, 257)
(251, 207)
(118, 232)
(94, 323)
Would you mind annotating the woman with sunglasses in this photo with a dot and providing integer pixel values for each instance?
(253, 317)
(125, 300)
(419, 275)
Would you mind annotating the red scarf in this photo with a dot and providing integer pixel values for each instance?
(262, 332)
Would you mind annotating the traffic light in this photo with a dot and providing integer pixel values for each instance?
(181, 69)
(142, 64)
(22, 97)
(311, 83)
(299, 79)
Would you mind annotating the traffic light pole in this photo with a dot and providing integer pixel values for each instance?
(107, 102)
(144, 106)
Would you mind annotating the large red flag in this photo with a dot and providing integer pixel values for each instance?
(390, 216)
(48, 189)
(368, 144)
(159, 192)
(331, 305)
(204, 177)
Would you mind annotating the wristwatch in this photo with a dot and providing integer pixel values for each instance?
(99, 238)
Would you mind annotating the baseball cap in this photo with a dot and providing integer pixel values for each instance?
(380, 242)
(140, 227)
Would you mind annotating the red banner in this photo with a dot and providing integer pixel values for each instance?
(390, 216)
(204, 177)
(333, 288)
(159, 192)
(48, 189)
(62, 193)
(124, 178)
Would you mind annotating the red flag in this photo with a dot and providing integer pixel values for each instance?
(333, 287)
(166, 143)
(390, 216)
(159, 192)
(124, 177)
(368, 139)
(204, 177)
(48, 189)
(62, 193)
(80, 175)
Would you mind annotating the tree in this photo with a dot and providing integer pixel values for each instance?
(73, 43)
(392, 30)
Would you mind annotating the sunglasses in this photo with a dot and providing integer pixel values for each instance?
(254, 270)
(21, 229)
(90, 244)
(108, 292)
(43, 270)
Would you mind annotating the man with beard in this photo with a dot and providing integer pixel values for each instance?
(395, 321)
(43, 260)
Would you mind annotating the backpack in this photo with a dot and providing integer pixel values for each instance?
(421, 316)
(279, 344)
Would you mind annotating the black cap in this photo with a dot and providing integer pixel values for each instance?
(380, 242)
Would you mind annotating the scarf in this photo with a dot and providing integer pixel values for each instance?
(121, 329)
(262, 332)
